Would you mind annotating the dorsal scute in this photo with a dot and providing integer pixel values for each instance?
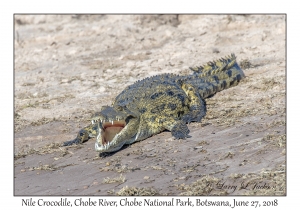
(214, 67)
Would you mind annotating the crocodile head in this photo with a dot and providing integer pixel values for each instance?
(116, 127)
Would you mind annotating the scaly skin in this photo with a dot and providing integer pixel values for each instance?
(158, 103)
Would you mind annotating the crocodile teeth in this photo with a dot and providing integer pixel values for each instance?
(101, 147)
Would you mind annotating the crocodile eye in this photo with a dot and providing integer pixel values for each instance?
(119, 108)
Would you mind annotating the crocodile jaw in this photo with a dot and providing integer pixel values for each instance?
(111, 147)
(111, 129)
(111, 138)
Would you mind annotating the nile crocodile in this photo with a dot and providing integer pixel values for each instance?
(158, 103)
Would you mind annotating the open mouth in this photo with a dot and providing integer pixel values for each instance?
(110, 124)
(111, 129)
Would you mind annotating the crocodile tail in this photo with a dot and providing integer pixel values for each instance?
(216, 76)
(214, 67)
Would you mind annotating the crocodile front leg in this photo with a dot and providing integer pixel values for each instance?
(83, 135)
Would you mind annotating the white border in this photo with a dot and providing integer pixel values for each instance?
(154, 6)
